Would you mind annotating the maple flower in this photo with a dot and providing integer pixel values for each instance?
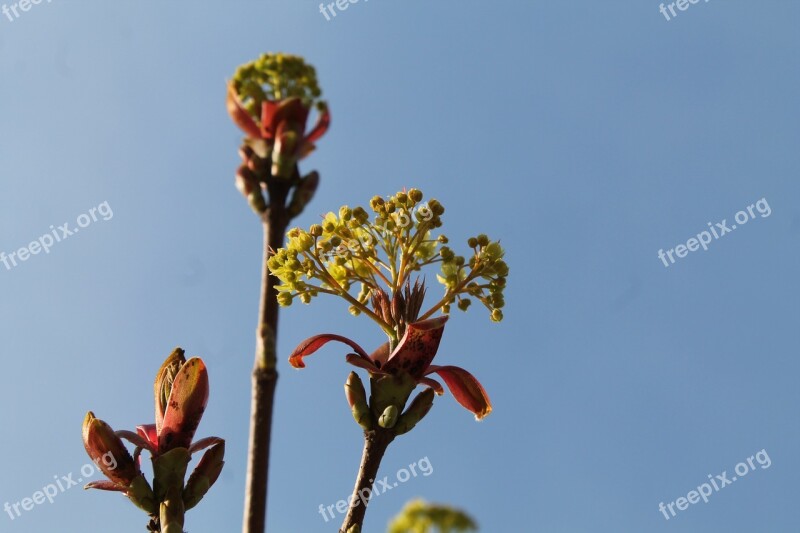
(413, 355)
(270, 99)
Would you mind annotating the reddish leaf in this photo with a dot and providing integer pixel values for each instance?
(240, 115)
(187, 401)
(418, 347)
(312, 344)
(465, 388)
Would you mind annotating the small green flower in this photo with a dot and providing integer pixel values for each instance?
(358, 256)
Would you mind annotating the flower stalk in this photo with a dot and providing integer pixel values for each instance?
(380, 255)
(376, 442)
(270, 99)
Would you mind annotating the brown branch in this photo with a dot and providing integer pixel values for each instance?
(376, 442)
(265, 375)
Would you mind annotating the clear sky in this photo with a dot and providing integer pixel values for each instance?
(586, 135)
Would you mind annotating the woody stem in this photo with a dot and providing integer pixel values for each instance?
(274, 220)
(376, 442)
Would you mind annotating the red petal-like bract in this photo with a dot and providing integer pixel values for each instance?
(417, 348)
(432, 383)
(104, 446)
(312, 344)
(322, 125)
(465, 388)
(240, 115)
(186, 405)
(105, 485)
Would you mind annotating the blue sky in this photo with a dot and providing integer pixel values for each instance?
(586, 135)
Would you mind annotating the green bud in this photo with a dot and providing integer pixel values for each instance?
(360, 215)
(169, 470)
(464, 304)
(376, 203)
(472, 242)
(304, 242)
(501, 268)
(140, 493)
(415, 195)
(497, 315)
(355, 311)
(205, 474)
(416, 411)
(388, 418)
(436, 207)
(284, 299)
(345, 213)
(443, 239)
(357, 399)
(493, 251)
(483, 240)
(315, 230)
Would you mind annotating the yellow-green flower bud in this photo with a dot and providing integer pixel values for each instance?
(497, 315)
(376, 203)
(284, 299)
(416, 411)
(360, 215)
(357, 399)
(205, 474)
(388, 418)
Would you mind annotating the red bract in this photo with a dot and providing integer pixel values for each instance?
(109, 454)
(413, 355)
(282, 122)
(181, 395)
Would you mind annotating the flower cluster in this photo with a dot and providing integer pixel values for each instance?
(181, 394)
(270, 100)
(379, 253)
(421, 517)
(369, 260)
